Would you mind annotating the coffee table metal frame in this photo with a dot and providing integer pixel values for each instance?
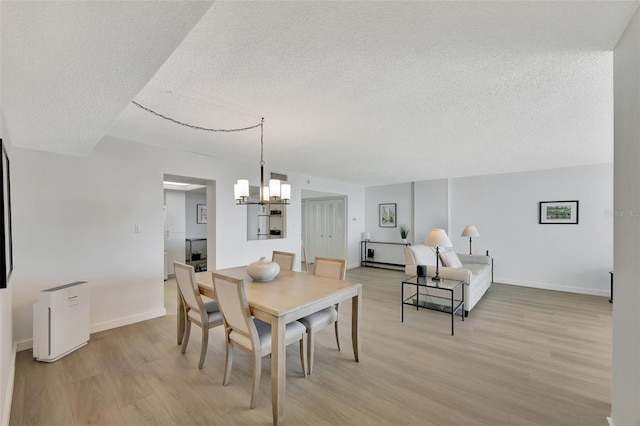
(450, 305)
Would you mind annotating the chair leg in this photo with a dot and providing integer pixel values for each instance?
(337, 335)
(205, 344)
(185, 337)
(302, 354)
(310, 349)
(257, 370)
(227, 364)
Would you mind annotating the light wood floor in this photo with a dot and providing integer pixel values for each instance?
(523, 357)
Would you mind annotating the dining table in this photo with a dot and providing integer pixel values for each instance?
(288, 297)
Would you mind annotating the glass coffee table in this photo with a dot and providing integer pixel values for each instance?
(440, 303)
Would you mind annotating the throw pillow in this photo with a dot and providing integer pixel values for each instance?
(450, 259)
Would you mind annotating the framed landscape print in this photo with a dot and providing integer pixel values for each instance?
(559, 212)
(6, 245)
(387, 215)
(201, 213)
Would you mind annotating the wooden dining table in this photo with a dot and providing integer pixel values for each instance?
(290, 296)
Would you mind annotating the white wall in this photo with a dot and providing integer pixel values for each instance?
(402, 195)
(625, 369)
(194, 229)
(504, 209)
(7, 353)
(75, 217)
(175, 238)
(431, 207)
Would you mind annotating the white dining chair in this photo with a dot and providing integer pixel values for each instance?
(284, 259)
(305, 262)
(247, 333)
(330, 268)
(206, 315)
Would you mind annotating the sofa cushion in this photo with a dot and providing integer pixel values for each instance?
(423, 255)
(450, 259)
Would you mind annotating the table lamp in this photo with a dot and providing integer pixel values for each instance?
(470, 231)
(437, 238)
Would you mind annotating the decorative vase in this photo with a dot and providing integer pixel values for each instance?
(263, 270)
(404, 241)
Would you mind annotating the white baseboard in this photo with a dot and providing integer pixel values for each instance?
(107, 325)
(6, 407)
(545, 286)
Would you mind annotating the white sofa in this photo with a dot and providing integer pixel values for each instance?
(476, 271)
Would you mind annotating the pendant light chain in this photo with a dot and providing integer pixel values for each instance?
(282, 193)
(191, 126)
(262, 142)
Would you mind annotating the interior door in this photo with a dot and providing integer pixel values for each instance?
(335, 228)
(326, 225)
(316, 223)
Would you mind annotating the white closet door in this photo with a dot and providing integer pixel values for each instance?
(326, 228)
(317, 244)
(334, 225)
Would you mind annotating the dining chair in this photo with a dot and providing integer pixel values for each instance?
(330, 268)
(284, 259)
(247, 333)
(305, 262)
(206, 315)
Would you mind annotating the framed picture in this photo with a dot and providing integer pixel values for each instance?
(559, 212)
(387, 215)
(6, 244)
(201, 213)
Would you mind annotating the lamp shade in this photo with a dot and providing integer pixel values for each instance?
(437, 238)
(274, 187)
(470, 231)
(241, 189)
(285, 191)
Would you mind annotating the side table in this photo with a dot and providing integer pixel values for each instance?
(444, 304)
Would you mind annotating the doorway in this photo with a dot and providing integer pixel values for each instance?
(324, 224)
(186, 218)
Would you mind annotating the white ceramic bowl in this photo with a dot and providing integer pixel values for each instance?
(263, 270)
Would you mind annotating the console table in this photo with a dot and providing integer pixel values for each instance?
(367, 256)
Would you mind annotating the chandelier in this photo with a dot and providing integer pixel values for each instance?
(275, 193)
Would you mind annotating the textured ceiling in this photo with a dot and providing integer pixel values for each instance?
(365, 92)
(69, 68)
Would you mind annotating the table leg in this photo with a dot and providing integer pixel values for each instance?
(402, 303)
(453, 314)
(462, 306)
(278, 369)
(180, 318)
(356, 316)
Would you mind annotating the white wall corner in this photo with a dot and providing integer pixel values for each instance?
(6, 405)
